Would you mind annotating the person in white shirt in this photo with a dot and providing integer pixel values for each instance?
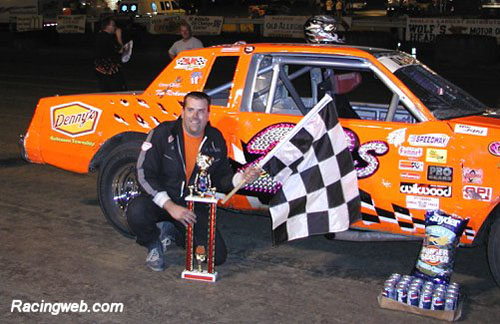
(187, 42)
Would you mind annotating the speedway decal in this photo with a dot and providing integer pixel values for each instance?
(190, 63)
(472, 130)
(435, 140)
(74, 119)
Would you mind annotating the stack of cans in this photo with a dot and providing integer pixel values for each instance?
(416, 292)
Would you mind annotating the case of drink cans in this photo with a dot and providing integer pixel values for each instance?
(424, 297)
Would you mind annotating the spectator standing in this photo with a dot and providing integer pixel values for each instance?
(338, 8)
(107, 62)
(329, 7)
(186, 43)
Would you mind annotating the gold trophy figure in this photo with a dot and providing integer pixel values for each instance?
(201, 192)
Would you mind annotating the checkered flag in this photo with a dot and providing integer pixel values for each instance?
(319, 191)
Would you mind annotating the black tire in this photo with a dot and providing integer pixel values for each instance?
(494, 250)
(117, 185)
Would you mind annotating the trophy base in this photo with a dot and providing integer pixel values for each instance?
(200, 276)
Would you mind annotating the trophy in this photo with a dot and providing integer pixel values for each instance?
(201, 192)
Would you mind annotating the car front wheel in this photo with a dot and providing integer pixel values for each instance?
(117, 185)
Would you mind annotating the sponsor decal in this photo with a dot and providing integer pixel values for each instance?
(190, 63)
(414, 152)
(417, 202)
(249, 49)
(410, 175)
(230, 50)
(477, 193)
(435, 140)
(172, 85)
(434, 255)
(411, 165)
(425, 189)
(472, 176)
(436, 155)
(175, 93)
(195, 77)
(472, 130)
(74, 119)
(439, 173)
(71, 141)
(365, 161)
(494, 148)
(397, 137)
(386, 183)
(440, 220)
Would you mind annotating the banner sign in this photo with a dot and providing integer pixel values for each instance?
(200, 25)
(28, 22)
(10, 9)
(205, 25)
(73, 24)
(425, 30)
(164, 24)
(284, 26)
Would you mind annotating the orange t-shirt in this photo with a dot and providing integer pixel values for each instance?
(191, 145)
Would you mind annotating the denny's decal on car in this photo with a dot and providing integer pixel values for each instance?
(74, 119)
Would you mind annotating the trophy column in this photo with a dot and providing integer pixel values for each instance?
(198, 273)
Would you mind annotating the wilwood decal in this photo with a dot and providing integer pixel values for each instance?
(425, 189)
(74, 119)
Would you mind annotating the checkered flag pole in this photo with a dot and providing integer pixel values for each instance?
(319, 192)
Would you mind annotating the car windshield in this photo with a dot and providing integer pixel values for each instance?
(444, 99)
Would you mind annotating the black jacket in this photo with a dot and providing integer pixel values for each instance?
(161, 162)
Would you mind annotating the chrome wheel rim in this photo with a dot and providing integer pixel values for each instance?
(125, 187)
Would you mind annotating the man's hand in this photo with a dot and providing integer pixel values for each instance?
(179, 213)
(251, 174)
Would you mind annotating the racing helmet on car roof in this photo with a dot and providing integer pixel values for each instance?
(322, 29)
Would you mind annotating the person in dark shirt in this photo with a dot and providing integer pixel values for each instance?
(166, 167)
(107, 62)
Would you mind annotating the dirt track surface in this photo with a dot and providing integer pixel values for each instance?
(56, 246)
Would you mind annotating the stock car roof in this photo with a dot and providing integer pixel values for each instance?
(341, 49)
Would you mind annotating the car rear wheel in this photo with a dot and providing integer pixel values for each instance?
(494, 250)
(117, 185)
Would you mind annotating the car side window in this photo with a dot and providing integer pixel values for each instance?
(220, 79)
(368, 96)
(294, 86)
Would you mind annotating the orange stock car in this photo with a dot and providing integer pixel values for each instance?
(418, 142)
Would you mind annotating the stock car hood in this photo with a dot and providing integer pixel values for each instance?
(477, 126)
(486, 120)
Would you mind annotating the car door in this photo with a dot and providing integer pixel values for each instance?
(400, 158)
